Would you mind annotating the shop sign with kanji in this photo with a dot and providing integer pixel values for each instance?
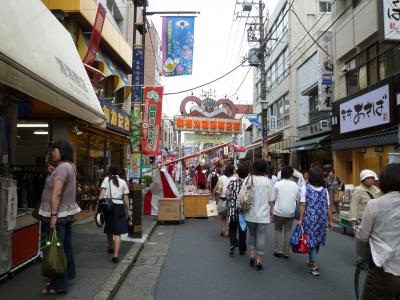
(369, 110)
(116, 118)
(187, 123)
(151, 119)
(390, 15)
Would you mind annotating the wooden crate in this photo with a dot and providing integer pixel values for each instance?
(195, 206)
(169, 209)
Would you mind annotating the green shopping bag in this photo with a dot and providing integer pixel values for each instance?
(54, 263)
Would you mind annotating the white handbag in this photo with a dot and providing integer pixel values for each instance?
(212, 210)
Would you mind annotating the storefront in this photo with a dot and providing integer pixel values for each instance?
(366, 130)
(43, 88)
(314, 151)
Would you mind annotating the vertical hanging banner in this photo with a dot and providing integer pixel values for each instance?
(325, 81)
(151, 119)
(177, 41)
(137, 73)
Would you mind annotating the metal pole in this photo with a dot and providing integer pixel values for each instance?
(263, 78)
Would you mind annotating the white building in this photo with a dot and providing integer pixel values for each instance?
(292, 68)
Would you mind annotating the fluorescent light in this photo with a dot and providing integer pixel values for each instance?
(41, 132)
(32, 125)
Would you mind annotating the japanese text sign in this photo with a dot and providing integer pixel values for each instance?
(116, 118)
(369, 110)
(325, 79)
(177, 41)
(183, 123)
(391, 20)
(151, 119)
(137, 74)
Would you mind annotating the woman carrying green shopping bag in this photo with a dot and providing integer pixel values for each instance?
(58, 209)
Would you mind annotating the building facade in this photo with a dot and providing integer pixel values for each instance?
(367, 87)
(293, 88)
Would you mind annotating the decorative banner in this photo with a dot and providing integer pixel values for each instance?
(369, 110)
(207, 138)
(134, 166)
(95, 37)
(137, 74)
(151, 119)
(116, 118)
(390, 15)
(326, 72)
(177, 40)
(182, 123)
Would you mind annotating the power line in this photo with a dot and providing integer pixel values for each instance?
(304, 27)
(207, 83)
(248, 71)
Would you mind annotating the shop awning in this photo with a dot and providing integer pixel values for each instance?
(308, 144)
(38, 57)
(378, 139)
(255, 145)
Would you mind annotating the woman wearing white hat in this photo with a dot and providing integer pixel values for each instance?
(362, 194)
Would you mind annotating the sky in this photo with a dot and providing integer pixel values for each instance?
(220, 45)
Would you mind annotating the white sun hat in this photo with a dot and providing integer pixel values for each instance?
(367, 173)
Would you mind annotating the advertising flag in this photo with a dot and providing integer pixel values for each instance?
(151, 119)
(177, 41)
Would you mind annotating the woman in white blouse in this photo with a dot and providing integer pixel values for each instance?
(259, 215)
(380, 224)
(116, 221)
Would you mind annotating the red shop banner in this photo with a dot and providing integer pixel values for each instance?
(152, 111)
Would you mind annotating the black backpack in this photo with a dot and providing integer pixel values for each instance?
(214, 180)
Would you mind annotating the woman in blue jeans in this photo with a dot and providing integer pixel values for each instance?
(58, 209)
(315, 215)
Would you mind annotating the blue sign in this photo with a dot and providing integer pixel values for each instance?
(116, 118)
(137, 74)
(254, 120)
(178, 41)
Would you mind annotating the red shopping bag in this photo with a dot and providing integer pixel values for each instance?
(302, 246)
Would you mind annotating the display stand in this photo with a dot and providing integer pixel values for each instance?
(195, 202)
(19, 231)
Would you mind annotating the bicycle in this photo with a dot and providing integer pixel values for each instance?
(364, 259)
(359, 277)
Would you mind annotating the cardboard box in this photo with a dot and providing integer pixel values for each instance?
(169, 209)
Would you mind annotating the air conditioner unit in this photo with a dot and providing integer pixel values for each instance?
(349, 66)
(324, 125)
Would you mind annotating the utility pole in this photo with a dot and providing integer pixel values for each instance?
(264, 111)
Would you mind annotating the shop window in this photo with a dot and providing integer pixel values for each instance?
(393, 58)
(325, 6)
(352, 82)
(382, 68)
(362, 77)
(373, 71)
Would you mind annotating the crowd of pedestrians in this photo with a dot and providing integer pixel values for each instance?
(311, 199)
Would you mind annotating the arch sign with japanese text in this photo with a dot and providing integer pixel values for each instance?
(214, 125)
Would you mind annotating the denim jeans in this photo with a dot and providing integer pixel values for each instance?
(64, 235)
(257, 236)
(312, 256)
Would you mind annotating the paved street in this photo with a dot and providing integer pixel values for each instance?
(198, 266)
(92, 262)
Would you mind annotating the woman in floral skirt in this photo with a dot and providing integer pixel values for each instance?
(315, 215)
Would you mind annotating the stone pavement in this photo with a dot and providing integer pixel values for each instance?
(93, 263)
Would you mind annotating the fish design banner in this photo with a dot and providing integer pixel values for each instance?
(177, 41)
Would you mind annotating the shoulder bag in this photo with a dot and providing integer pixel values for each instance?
(247, 195)
(106, 204)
